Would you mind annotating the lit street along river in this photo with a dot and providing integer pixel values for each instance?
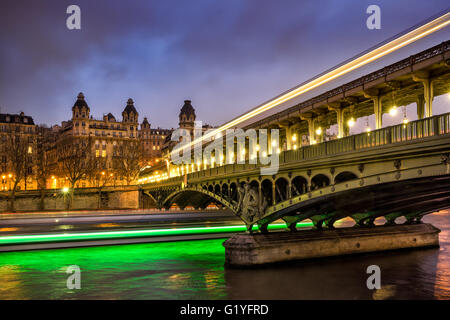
(195, 270)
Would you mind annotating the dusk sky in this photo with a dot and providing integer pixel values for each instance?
(225, 56)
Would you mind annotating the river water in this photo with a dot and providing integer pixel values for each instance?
(195, 270)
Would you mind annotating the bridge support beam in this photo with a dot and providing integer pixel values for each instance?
(310, 119)
(377, 107)
(269, 140)
(258, 249)
(288, 130)
(428, 93)
(337, 107)
(420, 107)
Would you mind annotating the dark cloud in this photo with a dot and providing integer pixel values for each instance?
(227, 56)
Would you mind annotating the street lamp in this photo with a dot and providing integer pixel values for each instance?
(65, 191)
(351, 122)
(319, 131)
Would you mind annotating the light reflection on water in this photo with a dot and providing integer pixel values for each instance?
(194, 270)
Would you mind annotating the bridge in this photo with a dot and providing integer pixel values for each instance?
(396, 171)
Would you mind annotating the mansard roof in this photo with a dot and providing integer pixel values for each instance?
(111, 117)
(130, 107)
(16, 118)
(187, 109)
(80, 101)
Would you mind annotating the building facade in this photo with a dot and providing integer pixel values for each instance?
(165, 168)
(152, 141)
(112, 147)
(18, 135)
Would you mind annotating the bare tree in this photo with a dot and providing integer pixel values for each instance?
(126, 160)
(75, 160)
(99, 176)
(18, 160)
(43, 165)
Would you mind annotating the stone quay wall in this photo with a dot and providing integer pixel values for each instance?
(83, 199)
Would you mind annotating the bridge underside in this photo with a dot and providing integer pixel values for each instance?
(182, 199)
(411, 199)
(195, 199)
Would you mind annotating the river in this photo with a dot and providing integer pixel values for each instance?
(195, 270)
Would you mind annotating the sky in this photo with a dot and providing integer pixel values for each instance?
(225, 56)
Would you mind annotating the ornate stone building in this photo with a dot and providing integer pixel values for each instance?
(108, 140)
(152, 141)
(22, 127)
(187, 121)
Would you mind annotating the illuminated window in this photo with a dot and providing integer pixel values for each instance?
(30, 150)
(104, 154)
(97, 153)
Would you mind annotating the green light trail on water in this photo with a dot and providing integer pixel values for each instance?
(23, 239)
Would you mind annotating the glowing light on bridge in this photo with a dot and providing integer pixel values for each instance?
(351, 122)
(319, 131)
(393, 111)
(378, 52)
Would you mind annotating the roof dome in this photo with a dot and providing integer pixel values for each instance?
(130, 107)
(187, 109)
(80, 101)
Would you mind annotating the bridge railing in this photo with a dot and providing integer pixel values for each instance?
(414, 130)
